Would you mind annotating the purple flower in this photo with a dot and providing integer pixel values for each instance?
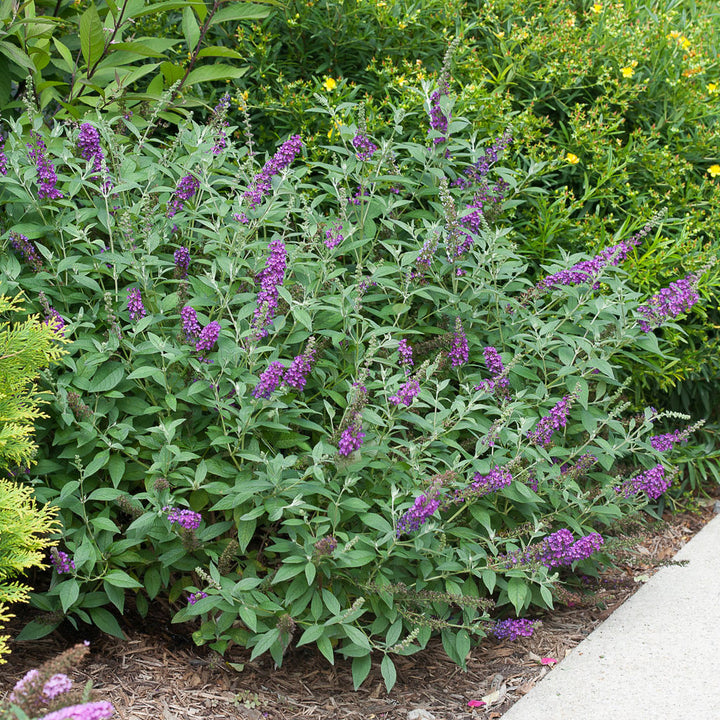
(135, 304)
(556, 419)
(422, 510)
(667, 441)
(271, 277)
(296, 375)
(185, 518)
(459, 349)
(406, 355)
(182, 262)
(351, 439)
(89, 145)
(364, 147)
(261, 183)
(207, 338)
(653, 482)
(669, 303)
(55, 320)
(62, 561)
(26, 250)
(3, 157)
(191, 326)
(479, 169)
(86, 711)
(325, 545)
(560, 548)
(47, 179)
(438, 120)
(494, 364)
(333, 236)
(407, 393)
(241, 218)
(513, 628)
(58, 684)
(581, 467)
(186, 189)
(192, 599)
(269, 380)
(25, 686)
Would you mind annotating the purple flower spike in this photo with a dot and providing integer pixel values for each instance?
(667, 441)
(207, 338)
(47, 179)
(261, 184)
(86, 711)
(26, 250)
(192, 599)
(182, 262)
(296, 375)
(351, 439)
(89, 145)
(333, 236)
(513, 628)
(422, 510)
(669, 303)
(407, 393)
(58, 684)
(364, 147)
(269, 380)
(438, 120)
(543, 432)
(185, 518)
(271, 277)
(62, 561)
(459, 350)
(135, 304)
(406, 355)
(186, 189)
(191, 326)
(653, 482)
(3, 157)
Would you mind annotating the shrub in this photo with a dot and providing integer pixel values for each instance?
(26, 348)
(322, 402)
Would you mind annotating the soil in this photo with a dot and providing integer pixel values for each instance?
(157, 673)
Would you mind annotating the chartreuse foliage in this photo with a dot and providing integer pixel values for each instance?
(238, 426)
(26, 348)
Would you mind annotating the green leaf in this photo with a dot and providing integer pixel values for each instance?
(462, 645)
(246, 531)
(92, 36)
(264, 642)
(190, 28)
(106, 622)
(387, 668)
(35, 630)
(119, 578)
(97, 463)
(361, 669)
(219, 51)
(357, 636)
(108, 380)
(14, 53)
(518, 592)
(210, 73)
(116, 467)
(106, 494)
(312, 633)
(68, 591)
(240, 11)
(325, 647)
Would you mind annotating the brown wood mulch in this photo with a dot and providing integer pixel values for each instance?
(158, 674)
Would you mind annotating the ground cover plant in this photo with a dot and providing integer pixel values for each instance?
(325, 401)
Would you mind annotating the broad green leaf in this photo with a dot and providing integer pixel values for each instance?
(121, 579)
(312, 633)
(241, 11)
(264, 643)
(210, 73)
(92, 36)
(106, 622)
(218, 51)
(190, 28)
(387, 668)
(518, 592)
(360, 669)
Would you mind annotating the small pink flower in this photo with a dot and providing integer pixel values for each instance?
(476, 703)
(548, 661)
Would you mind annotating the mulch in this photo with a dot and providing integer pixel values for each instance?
(157, 673)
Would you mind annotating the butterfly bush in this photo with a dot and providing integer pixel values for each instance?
(351, 445)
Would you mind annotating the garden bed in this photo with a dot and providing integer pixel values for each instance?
(158, 673)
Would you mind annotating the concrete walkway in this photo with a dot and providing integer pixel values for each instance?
(657, 657)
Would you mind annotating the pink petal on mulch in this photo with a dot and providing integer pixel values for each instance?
(475, 703)
(548, 661)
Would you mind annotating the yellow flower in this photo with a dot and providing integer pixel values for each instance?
(712, 88)
(714, 170)
(500, 35)
(674, 35)
(597, 8)
(684, 43)
(572, 158)
(627, 72)
(401, 80)
(329, 84)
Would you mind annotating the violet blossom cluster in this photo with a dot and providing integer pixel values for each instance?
(56, 685)
(190, 323)
(62, 561)
(89, 146)
(494, 363)
(47, 178)
(86, 711)
(405, 352)
(136, 308)
(185, 518)
(3, 157)
(182, 262)
(261, 183)
(497, 479)
(557, 549)
(206, 340)
(364, 147)
(556, 419)
(653, 482)
(26, 250)
(296, 375)
(270, 277)
(587, 271)
(269, 380)
(351, 439)
(334, 236)
(185, 190)
(513, 628)
(438, 120)
(459, 351)
(580, 468)
(325, 545)
(421, 511)
(194, 597)
(667, 441)
(670, 302)
(407, 393)
(479, 169)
